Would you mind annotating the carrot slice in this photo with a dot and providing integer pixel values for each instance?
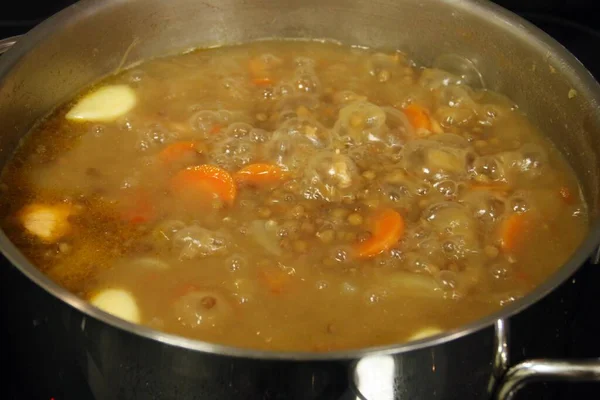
(151, 277)
(522, 276)
(418, 116)
(492, 187)
(275, 279)
(260, 174)
(183, 289)
(513, 231)
(177, 151)
(260, 72)
(198, 182)
(257, 68)
(262, 81)
(138, 208)
(388, 228)
(216, 128)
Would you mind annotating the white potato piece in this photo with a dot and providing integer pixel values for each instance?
(104, 104)
(48, 222)
(413, 284)
(118, 302)
(152, 263)
(425, 332)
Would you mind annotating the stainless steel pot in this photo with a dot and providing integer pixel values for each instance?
(94, 38)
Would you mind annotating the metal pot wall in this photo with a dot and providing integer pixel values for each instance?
(121, 361)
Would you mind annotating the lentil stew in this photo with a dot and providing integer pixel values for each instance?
(293, 195)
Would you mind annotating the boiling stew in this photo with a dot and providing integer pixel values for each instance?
(291, 195)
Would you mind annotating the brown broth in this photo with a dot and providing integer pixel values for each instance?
(278, 269)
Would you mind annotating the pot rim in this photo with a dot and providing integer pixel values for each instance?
(486, 10)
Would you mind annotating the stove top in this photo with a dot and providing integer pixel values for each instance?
(42, 369)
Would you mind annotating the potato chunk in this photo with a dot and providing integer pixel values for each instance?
(119, 303)
(47, 222)
(104, 105)
(424, 333)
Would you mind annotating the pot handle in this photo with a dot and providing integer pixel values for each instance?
(7, 43)
(519, 375)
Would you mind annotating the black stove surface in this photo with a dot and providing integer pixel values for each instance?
(39, 368)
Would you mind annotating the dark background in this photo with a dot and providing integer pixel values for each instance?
(19, 16)
(37, 368)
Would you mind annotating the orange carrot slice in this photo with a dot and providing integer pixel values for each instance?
(179, 150)
(257, 67)
(522, 276)
(418, 116)
(492, 187)
(183, 289)
(216, 128)
(138, 208)
(260, 72)
(262, 81)
(204, 182)
(388, 228)
(513, 231)
(275, 279)
(260, 174)
(151, 277)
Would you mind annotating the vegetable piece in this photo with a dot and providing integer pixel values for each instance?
(435, 126)
(522, 276)
(262, 81)
(151, 277)
(260, 174)
(216, 128)
(204, 182)
(418, 116)
(257, 67)
(119, 303)
(276, 279)
(150, 263)
(447, 160)
(513, 231)
(139, 208)
(267, 238)
(103, 105)
(47, 222)
(261, 69)
(195, 241)
(179, 150)
(413, 284)
(183, 289)
(388, 228)
(498, 187)
(424, 333)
